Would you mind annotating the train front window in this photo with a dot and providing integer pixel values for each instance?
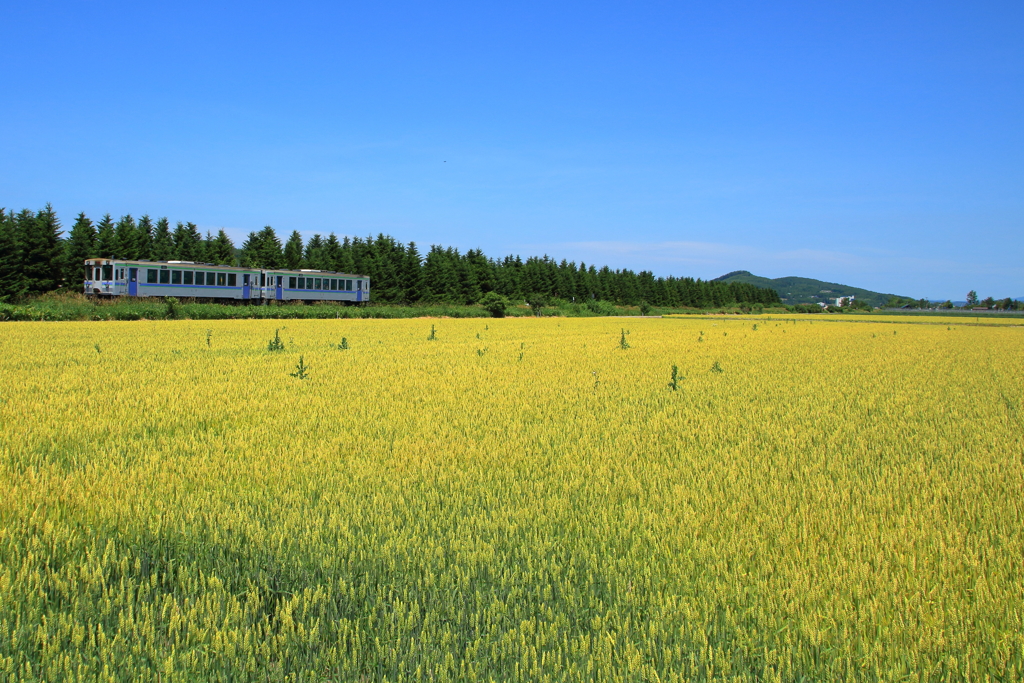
(108, 272)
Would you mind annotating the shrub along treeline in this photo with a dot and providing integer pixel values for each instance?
(35, 258)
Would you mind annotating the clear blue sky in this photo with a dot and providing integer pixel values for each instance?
(877, 144)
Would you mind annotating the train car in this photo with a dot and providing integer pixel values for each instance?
(185, 279)
(315, 285)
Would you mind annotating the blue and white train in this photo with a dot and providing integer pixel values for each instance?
(184, 279)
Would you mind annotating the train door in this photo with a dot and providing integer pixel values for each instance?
(279, 295)
(359, 290)
(246, 291)
(133, 282)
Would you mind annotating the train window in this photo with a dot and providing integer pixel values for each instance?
(291, 283)
(188, 277)
(263, 279)
(200, 278)
(316, 283)
(302, 283)
(151, 276)
(220, 279)
(232, 280)
(165, 277)
(175, 277)
(108, 272)
(334, 284)
(348, 285)
(359, 284)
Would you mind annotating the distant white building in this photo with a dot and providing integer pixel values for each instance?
(843, 300)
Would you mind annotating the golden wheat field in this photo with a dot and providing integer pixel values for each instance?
(513, 500)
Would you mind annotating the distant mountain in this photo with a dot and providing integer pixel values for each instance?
(805, 290)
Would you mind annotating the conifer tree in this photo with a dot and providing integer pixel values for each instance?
(126, 239)
(293, 251)
(262, 249)
(144, 237)
(332, 249)
(220, 250)
(314, 256)
(163, 242)
(412, 273)
(207, 248)
(40, 248)
(79, 246)
(345, 262)
(270, 248)
(12, 284)
(106, 243)
(188, 242)
(250, 251)
(439, 269)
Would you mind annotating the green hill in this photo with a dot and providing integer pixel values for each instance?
(805, 290)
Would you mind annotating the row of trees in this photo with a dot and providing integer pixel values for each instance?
(972, 301)
(1006, 304)
(34, 258)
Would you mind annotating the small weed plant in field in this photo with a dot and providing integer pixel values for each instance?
(276, 344)
(674, 382)
(301, 369)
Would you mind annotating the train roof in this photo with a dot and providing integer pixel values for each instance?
(307, 271)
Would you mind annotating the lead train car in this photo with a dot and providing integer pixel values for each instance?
(184, 279)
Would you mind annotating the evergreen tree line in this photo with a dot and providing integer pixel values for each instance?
(35, 258)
